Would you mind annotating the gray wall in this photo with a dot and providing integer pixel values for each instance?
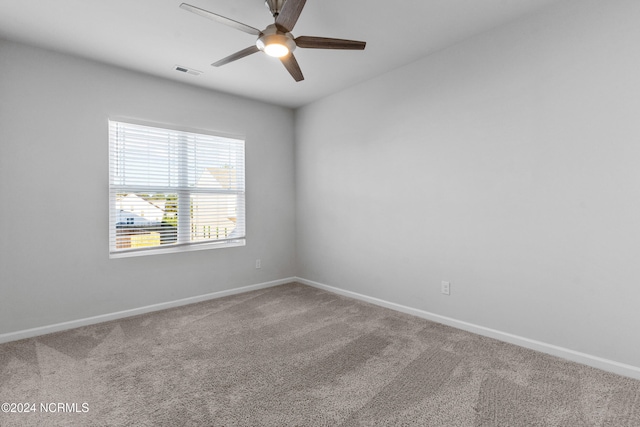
(507, 165)
(54, 264)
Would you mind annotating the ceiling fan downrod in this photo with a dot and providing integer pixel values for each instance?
(275, 6)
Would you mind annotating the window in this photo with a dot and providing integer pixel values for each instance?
(171, 190)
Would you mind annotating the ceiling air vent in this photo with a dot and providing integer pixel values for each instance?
(187, 70)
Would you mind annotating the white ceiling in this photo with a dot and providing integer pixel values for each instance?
(153, 36)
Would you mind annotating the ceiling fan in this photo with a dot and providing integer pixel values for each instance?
(276, 40)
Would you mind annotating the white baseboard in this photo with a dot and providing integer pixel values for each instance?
(29, 333)
(564, 353)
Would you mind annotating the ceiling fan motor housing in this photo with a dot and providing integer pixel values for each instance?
(271, 35)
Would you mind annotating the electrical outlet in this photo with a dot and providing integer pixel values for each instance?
(445, 287)
(258, 263)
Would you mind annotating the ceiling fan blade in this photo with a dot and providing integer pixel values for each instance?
(221, 19)
(288, 16)
(235, 56)
(292, 67)
(328, 43)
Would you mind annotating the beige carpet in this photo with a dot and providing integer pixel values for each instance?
(298, 356)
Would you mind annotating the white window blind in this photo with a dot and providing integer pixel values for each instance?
(171, 190)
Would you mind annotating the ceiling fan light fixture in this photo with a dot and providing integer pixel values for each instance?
(275, 43)
(276, 50)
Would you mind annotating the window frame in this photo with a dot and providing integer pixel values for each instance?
(184, 192)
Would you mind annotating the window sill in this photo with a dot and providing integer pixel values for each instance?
(176, 249)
